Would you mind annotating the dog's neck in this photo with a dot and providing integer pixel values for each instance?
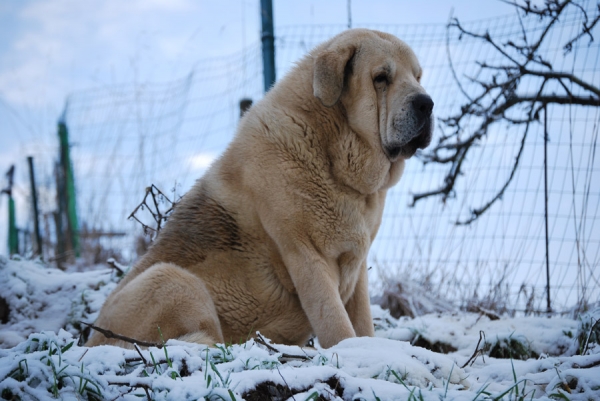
(356, 164)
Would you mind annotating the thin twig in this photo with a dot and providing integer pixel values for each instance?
(139, 351)
(283, 356)
(261, 340)
(81, 357)
(109, 334)
(154, 209)
(287, 385)
(587, 341)
(477, 350)
(113, 265)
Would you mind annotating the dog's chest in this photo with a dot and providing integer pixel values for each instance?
(356, 222)
(356, 225)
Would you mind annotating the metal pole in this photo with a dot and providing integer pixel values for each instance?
(349, 15)
(13, 234)
(268, 43)
(67, 167)
(61, 242)
(549, 305)
(34, 201)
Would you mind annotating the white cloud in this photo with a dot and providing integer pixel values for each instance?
(65, 45)
(202, 161)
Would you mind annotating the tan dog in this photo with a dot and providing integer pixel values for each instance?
(275, 236)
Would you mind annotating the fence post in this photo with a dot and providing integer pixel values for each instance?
(349, 14)
(67, 169)
(268, 43)
(245, 105)
(61, 242)
(13, 235)
(548, 304)
(34, 201)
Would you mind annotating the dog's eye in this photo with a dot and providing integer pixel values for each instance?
(381, 79)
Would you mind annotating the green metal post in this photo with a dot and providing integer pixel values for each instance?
(13, 235)
(268, 43)
(65, 159)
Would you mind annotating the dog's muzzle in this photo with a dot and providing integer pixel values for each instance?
(416, 133)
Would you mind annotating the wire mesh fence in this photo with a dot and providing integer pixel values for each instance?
(128, 137)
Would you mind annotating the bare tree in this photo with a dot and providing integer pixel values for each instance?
(159, 209)
(499, 97)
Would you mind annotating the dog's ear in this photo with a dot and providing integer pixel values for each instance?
(329, 71)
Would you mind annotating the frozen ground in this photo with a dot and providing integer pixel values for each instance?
(476, 358)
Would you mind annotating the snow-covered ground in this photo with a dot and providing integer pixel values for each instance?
(476, 359)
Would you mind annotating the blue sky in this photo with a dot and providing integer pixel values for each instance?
(51, 48)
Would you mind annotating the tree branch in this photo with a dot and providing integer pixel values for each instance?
(561, 75)
(475, 213)
(109, 334)
(499, 98)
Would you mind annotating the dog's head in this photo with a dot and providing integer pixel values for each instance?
(376, 78)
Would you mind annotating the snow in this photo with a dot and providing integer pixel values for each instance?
(44, 298)
(40, 357)
(542, 335)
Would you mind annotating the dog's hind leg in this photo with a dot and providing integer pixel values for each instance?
(163, 300)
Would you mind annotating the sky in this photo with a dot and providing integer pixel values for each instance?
(51, 48)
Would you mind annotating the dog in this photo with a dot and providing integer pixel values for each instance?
(275, 236)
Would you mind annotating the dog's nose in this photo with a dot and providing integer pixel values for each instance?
(422, 105)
